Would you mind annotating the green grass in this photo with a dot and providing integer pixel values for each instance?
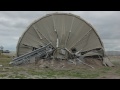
(5, 61)
(3, 75)
(33, 72)
(118, 72)
(116, 63)
(64, 73)
(104, 69)
(4, 56)
(11, 76)
(48, 73)
(17, 77)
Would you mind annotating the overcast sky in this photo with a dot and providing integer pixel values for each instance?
(14, 23)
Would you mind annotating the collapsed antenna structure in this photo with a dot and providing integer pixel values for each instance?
(60, 36)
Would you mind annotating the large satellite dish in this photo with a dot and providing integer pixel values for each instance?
(60, 36)
(66, 33)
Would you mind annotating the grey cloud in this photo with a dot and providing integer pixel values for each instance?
(14, 23)
(112, 44)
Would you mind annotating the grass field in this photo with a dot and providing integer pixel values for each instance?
(33, 72)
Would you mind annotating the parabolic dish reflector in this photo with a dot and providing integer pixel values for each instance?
(63, 31)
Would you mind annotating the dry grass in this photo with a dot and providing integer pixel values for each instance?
(34, 72)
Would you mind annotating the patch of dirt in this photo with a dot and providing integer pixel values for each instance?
(65, 64)
(109, 76)
(32, 71)
(94, 62)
